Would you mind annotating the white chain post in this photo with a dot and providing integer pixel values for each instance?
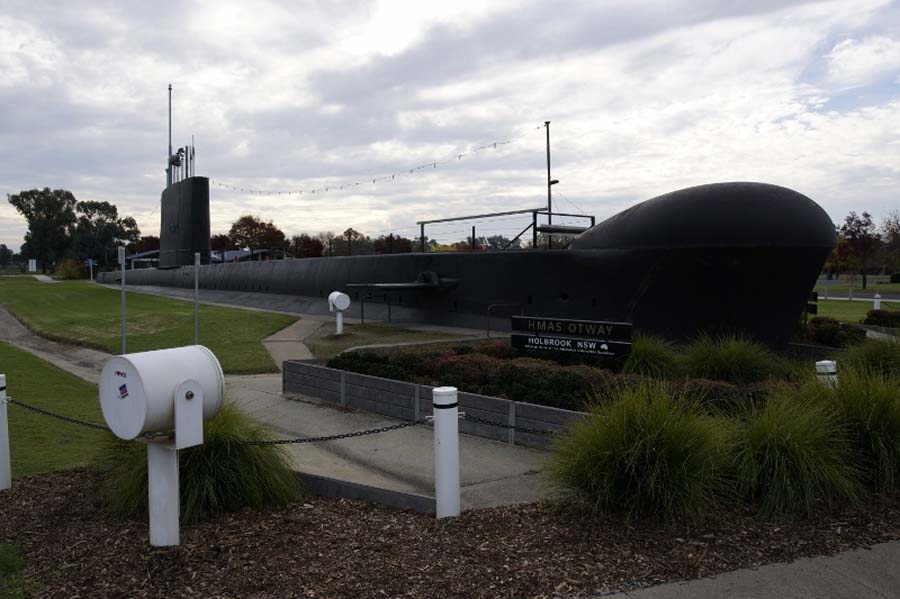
(877, 301)
(5, 465)
(826, 370)
(446, 451)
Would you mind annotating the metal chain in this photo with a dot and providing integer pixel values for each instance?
(519, 429)
(371, 431)
(69, 419)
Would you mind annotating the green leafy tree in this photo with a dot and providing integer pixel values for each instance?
(863, 242)
(51, 219)
(99, 230)
(6, 255)
(890, 233)
(254, 233)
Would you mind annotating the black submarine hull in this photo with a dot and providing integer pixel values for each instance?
(722, 258)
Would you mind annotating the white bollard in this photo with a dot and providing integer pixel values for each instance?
(877, 301)
(826, 370)
(340, 322)
(446, 451)
(5, 466)
(826, 293)
(162, 473)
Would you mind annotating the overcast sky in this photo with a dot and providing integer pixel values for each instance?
(644, 97)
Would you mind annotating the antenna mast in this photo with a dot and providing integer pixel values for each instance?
(169, 155)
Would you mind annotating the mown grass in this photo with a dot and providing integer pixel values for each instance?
(86, 314)
(218, 476)
(847, 311)
(38, 443)
(871, 288)
(11, 565)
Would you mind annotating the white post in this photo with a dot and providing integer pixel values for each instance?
(196, 298)
(826, 293)
(5, 466)
(877, 301)
(122, 282)
(340, 322)
(162, 473)
(850, 292)
(446, 451)
(826, 370)
(90, 269)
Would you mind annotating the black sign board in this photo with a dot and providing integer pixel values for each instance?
(594, 337)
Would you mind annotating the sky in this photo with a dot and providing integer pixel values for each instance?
(644, 97)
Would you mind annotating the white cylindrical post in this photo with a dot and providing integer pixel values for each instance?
(196, 298)
(877, 301)
(5, 465)
(446, 451)
(162, 474)
(850, 292)
(122, 281)
(90, 269)
(340, 322)
(826, 293)
(826, 370)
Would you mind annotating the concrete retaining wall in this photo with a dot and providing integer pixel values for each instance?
(409, 401)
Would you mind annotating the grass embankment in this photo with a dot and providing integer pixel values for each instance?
(324, 344)
(39, 443)
(86, 314)
(11, 584)
(847, 311)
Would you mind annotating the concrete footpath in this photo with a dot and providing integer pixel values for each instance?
(872, 573)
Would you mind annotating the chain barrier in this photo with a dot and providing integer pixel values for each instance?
(363, 433)
(69, 419)
(302, 440)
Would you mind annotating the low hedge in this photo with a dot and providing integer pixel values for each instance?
(883, 318)
(532, 380)
(825, 330)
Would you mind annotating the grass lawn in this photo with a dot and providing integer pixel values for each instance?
(324, 344)
(86, 314)
(857, 289)
(848, 311)
(38, 443)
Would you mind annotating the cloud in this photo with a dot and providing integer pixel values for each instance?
(644, 98)
(854, 62)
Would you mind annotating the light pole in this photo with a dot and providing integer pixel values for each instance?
(550, 184)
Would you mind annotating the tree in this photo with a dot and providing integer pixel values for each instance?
(99, 230)
(6, 255)
(51, 218)
(392, 244)
(327, 239)
(863, 242)
(890, 233)
(306, 246)
(147, 243)
(500, 242)
(253, 233)
(221, 243)
(351, 235)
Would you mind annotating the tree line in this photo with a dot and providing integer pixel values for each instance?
(865, 248)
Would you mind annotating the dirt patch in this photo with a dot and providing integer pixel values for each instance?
(330, 548)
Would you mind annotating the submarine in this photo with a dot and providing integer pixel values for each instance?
(737, 257)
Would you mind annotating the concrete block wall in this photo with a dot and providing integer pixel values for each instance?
(409, 401)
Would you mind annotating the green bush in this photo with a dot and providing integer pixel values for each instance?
(895, 277)
(218, 476)
(869, 405)
(793, 454)
(475, 372)
(651, 356)
(647, 452)
(883, 318)
(825, 330)
(729, 358)
(68, 269)
(543, 382)
(877, 355)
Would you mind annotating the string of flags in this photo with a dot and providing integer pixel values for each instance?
(391, 177)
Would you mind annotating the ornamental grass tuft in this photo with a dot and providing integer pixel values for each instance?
(647, 451)
(794, 454)
(729, 358)
(651, 356)
(218, 476)
(878, 355)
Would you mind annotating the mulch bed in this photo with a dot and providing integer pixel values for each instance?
(323, 547)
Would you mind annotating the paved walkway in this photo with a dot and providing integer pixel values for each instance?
(871, 573)
(45, 279)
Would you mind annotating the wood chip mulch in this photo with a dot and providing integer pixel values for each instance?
(323, 547)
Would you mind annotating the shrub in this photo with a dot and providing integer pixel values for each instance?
(500, 349)
(883, 318)
(647, 452)
(729, 358)
(877, 355)
(794, 453)
(545, 382)
(825, 330)
(651, 356)
(218, 476)
(470, 372)
(68, 269)
(869, 404)
(895, 277)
